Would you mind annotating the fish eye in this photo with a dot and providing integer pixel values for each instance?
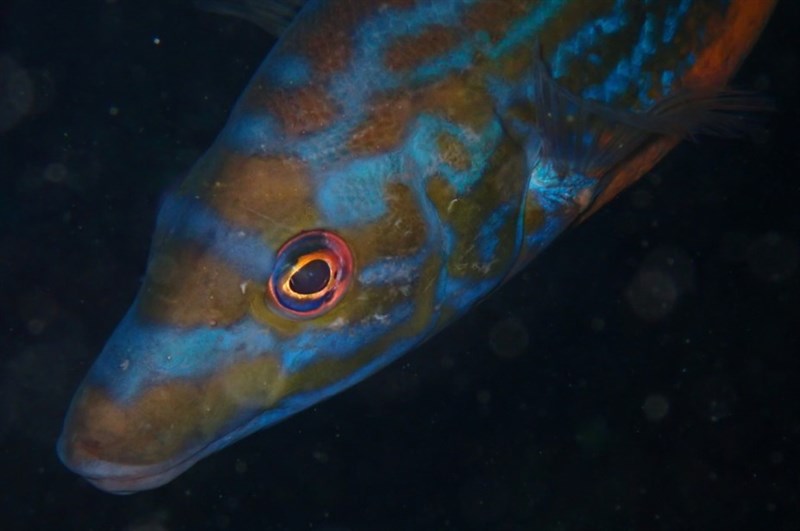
(312, 272)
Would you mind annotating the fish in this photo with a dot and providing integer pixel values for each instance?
(389, 165)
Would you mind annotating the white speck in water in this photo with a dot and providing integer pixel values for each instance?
(125, 364)
(655, 407)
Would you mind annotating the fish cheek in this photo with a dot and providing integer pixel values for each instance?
(168, 420)
(187, 286)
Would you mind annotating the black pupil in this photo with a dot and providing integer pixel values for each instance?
(311, 278)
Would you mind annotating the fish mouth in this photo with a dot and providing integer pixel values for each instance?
(84, 454)
(119, 478)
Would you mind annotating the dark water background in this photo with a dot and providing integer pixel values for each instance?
(641, 375)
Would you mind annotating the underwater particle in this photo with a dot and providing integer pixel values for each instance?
(55, 173)
(508, 338)
(16, 93)
(38, 309)
(655, 407)
(320, 456)
(113, 110)
(222, 521)
(773, 257)
(597, 324)
(25, 387)
(147, 526)
(651, 295)
(733, 246)
(642, 199)
(716, 398)
(36, 326)
(484, 396)
(666, 273)
(484, 501)
(447, 362)
(593, 434)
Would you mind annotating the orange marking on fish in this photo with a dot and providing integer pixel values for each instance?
(459, 98)
(326, 36)
(207, 294)
(168, 418)
(302, 110)
(269, 194)
(385, 127)
(738, 31)
(496, 16)
(716, 63)
(453, 152)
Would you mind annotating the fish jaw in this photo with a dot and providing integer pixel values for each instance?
(115, 478)
(160, 398)
(121, 451)
(146, 411)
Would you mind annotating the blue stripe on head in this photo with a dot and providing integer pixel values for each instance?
(141, 354)
(287, 71)
(189, 219)
(456, 60)
(524, 31)
(252, 134)
(423, 139)
(392, 270)
(356, 194)
(300, 401)
(314, 345)
(461, 293)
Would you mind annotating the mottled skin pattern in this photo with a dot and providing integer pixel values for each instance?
(418, 132)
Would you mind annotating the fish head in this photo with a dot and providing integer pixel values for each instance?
(269, 287)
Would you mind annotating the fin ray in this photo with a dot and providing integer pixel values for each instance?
(591, 138)
(273, 16)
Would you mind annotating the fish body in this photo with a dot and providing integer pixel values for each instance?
(389, 165)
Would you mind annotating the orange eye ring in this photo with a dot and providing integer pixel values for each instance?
(312, 272)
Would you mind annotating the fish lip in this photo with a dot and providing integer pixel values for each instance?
(119, 478)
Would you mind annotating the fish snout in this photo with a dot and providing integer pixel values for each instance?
(122, 448)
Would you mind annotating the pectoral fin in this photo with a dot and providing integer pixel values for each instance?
(580, 137)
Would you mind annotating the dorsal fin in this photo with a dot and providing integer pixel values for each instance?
(273, 16)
